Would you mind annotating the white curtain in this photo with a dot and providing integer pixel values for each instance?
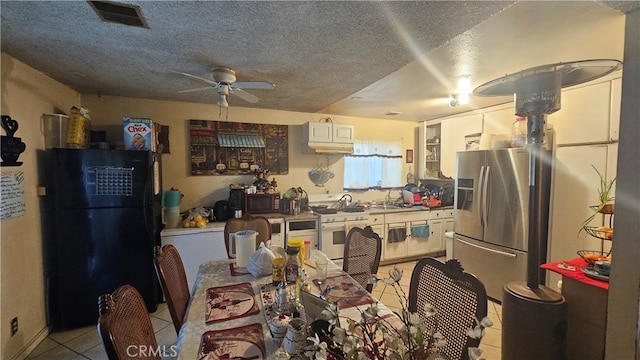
(373, 164)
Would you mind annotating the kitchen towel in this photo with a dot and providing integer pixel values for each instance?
(420, 231)
(397, 235)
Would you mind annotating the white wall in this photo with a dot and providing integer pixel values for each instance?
(26, 95)
(107, 112)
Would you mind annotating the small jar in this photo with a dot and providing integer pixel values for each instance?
(519, 132)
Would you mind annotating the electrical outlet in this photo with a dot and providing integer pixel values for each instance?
(14, 326)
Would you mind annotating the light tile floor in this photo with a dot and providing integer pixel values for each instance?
(85, 343)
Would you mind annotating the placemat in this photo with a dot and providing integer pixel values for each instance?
(245, 342)
(230, 302)
(344, 291)
(235, 270)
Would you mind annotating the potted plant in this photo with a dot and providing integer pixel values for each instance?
(605, 199)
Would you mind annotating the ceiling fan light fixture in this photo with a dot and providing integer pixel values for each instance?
(222, 101)
(454, 100)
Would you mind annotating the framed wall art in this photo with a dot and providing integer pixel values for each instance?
(231, 148)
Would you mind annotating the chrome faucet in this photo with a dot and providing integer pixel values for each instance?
(387, 199)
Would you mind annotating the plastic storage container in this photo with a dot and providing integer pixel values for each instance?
(54, 128)
(519, 132)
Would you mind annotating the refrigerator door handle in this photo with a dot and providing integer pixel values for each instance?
(480, 196)
(488, 249)
(485, 196)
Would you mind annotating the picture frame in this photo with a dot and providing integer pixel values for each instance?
(409, 156)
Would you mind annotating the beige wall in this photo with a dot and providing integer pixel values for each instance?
(26, 95)
(107, 113)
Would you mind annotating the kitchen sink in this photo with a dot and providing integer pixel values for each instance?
(386, 207)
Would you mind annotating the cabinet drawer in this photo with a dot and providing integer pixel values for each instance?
(447, 213)
(376, 220)
(436, 214)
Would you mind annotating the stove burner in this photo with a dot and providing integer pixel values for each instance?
(326, 211)
(354, 209)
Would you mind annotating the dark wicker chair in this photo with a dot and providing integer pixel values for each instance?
(124, 325)
(260, 224)
(459, 298)
(362, 250)
(173, 281)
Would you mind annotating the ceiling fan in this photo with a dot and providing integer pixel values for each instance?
(223, 80)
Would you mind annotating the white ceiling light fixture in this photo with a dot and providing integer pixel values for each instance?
(462, 96)
(223, 92)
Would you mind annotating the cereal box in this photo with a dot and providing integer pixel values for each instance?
(138, 134)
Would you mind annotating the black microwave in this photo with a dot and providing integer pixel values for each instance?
(262, 203)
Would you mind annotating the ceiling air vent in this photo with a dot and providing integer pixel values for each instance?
(119, 13)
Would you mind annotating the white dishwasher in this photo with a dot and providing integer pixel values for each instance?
(196, 245)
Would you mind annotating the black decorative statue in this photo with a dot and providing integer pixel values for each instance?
(12, 146)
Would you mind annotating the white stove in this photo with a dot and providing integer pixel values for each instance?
(334, 227)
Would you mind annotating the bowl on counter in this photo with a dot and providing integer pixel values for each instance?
(591, 256)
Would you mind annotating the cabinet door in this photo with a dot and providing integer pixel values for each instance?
(395, 242)
(499, 122)
(343, 133)
(584, 116)
(616, 100)
(379, 229)
(436, 241)
(320, 132)
(453, 131)
(417, 244)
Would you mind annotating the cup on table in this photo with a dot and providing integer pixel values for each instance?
(321, 268)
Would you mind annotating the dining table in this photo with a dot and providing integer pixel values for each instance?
(229, 310)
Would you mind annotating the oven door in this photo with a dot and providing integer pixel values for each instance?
(332, 239)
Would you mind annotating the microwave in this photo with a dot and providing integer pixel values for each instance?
(262, 203)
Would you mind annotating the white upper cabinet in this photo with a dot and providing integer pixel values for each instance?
(584, 116)
(329, 132)
(499, 122)
(343, 133)
(320, 132)
(452, 132)
(616, 101)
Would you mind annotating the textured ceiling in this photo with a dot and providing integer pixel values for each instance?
(344, 58)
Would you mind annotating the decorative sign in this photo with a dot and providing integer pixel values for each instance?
(231, 148)
(11, 194)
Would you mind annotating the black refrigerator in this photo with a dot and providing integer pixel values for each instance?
(106, 221)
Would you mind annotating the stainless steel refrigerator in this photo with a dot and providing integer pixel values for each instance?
(491, 215)
(104, 223)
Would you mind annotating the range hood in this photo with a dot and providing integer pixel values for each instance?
(330, 148)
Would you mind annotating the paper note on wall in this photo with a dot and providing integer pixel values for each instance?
(11, 194)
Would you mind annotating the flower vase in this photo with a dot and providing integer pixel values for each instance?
(296, 338)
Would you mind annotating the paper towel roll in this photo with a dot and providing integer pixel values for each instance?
(245, 242)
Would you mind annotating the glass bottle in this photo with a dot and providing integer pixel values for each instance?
(292, 265)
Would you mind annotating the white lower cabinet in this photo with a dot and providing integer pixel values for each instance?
(196, 246)
(395, 242)
(436, 238)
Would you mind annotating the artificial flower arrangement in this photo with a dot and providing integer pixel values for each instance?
(375, 337)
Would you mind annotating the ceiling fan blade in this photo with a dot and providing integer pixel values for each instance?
(197, 89)
(196, 77)
(245, 95)
(254, 85)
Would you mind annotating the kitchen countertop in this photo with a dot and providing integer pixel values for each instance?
(307, 215)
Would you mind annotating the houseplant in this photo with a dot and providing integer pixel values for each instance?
(375, 337)
(605, 199)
